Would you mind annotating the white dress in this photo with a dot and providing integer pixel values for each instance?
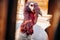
(39, 34)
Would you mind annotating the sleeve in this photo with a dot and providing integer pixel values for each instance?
(26, 16)
(36, 17)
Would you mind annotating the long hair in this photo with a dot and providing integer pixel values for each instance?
(28, 10)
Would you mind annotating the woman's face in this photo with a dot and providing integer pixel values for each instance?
(31, 6)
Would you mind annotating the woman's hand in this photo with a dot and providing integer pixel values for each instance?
(27, 21)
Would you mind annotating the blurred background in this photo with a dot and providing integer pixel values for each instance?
(8, 12)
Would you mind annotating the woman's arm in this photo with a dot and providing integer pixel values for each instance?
(27, 21)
